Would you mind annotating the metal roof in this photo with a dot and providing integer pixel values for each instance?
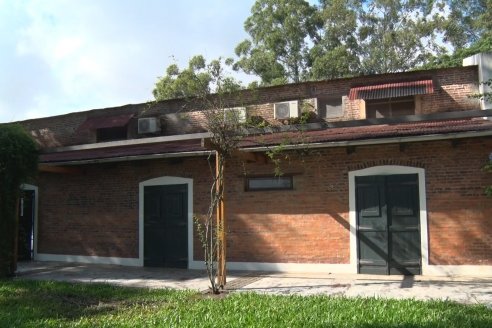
(392, 90)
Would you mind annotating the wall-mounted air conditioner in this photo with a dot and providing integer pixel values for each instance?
(148, 125)
(235, 114)
(285, 110)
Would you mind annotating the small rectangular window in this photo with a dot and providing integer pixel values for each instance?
(111, 134)
(329, 106)
(269, 183)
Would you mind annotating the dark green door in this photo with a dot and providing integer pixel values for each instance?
(25, 239)
(166, 226)
(388, 224)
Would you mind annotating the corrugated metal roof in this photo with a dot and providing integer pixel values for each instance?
(392, 90)
(93, 123)
(369, 132)
(327, 135)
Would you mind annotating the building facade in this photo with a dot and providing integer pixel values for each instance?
(385, 178)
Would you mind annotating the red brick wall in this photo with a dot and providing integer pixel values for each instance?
(310, 223)
(96, 213)
(452, 88)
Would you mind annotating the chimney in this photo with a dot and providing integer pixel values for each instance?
(484, 62)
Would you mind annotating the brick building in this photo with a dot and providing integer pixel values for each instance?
(386, 177)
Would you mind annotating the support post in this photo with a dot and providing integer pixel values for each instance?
(221, 225)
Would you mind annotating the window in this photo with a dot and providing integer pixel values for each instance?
(329, 107)
(235, 115)
(269, 183)
(390, 107)
(111, 134)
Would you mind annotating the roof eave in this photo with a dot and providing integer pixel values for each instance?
(376, 141)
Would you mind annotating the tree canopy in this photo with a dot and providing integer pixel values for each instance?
(280, 32)
(198, 79)
(294, 41)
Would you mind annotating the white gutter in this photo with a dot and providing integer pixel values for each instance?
(328, 144)
(179, 137)
(132, 158)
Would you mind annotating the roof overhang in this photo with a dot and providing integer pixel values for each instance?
(392, 90)
(377, 141)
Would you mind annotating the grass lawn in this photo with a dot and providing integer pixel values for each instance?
(26, 303)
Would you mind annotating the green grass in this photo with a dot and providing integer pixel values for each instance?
(26, 303)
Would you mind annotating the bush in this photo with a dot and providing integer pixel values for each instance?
(18, 162)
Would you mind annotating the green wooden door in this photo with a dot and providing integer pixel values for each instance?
(388, 224)
(166, 226)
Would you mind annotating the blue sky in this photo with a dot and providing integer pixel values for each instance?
(61, 56)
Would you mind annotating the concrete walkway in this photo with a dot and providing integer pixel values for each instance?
(458, 289)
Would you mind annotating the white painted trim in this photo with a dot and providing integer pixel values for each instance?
(89, 259)
(388, 170)
(178, 137)
(280, 267)
(459, 270)
(132, 158)
(163, 181)
(35, 232)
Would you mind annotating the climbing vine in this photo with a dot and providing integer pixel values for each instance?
(18, 162)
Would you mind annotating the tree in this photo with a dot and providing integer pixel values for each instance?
(207, 87)
(18, 162)
(468, 22)
(292, 41)
(195, 80)
(280, 32)
(335, 53)
(397, 35)
(455, 59)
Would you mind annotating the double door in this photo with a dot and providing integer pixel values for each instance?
(388, 224)
(166, 226)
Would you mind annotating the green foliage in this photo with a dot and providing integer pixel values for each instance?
(488, 168)
(279, 31)
(455, 59)
(18, 162)
(396, 35)
(469, 20)
(292, 41)
(55, 304)
(334, 54)
(183, 83)
(195, 80)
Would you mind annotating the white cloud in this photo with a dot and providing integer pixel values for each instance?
(60, 56)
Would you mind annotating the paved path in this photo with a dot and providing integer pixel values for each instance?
(459, 289)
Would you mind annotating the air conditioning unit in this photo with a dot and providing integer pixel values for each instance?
(148, 125)
(235, 114)
(285, 110)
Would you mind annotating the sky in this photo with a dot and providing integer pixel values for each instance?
(62, 56)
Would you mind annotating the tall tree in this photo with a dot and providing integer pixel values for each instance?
(397, 35)
(468, 22)
(335, 53)
(280, 35)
